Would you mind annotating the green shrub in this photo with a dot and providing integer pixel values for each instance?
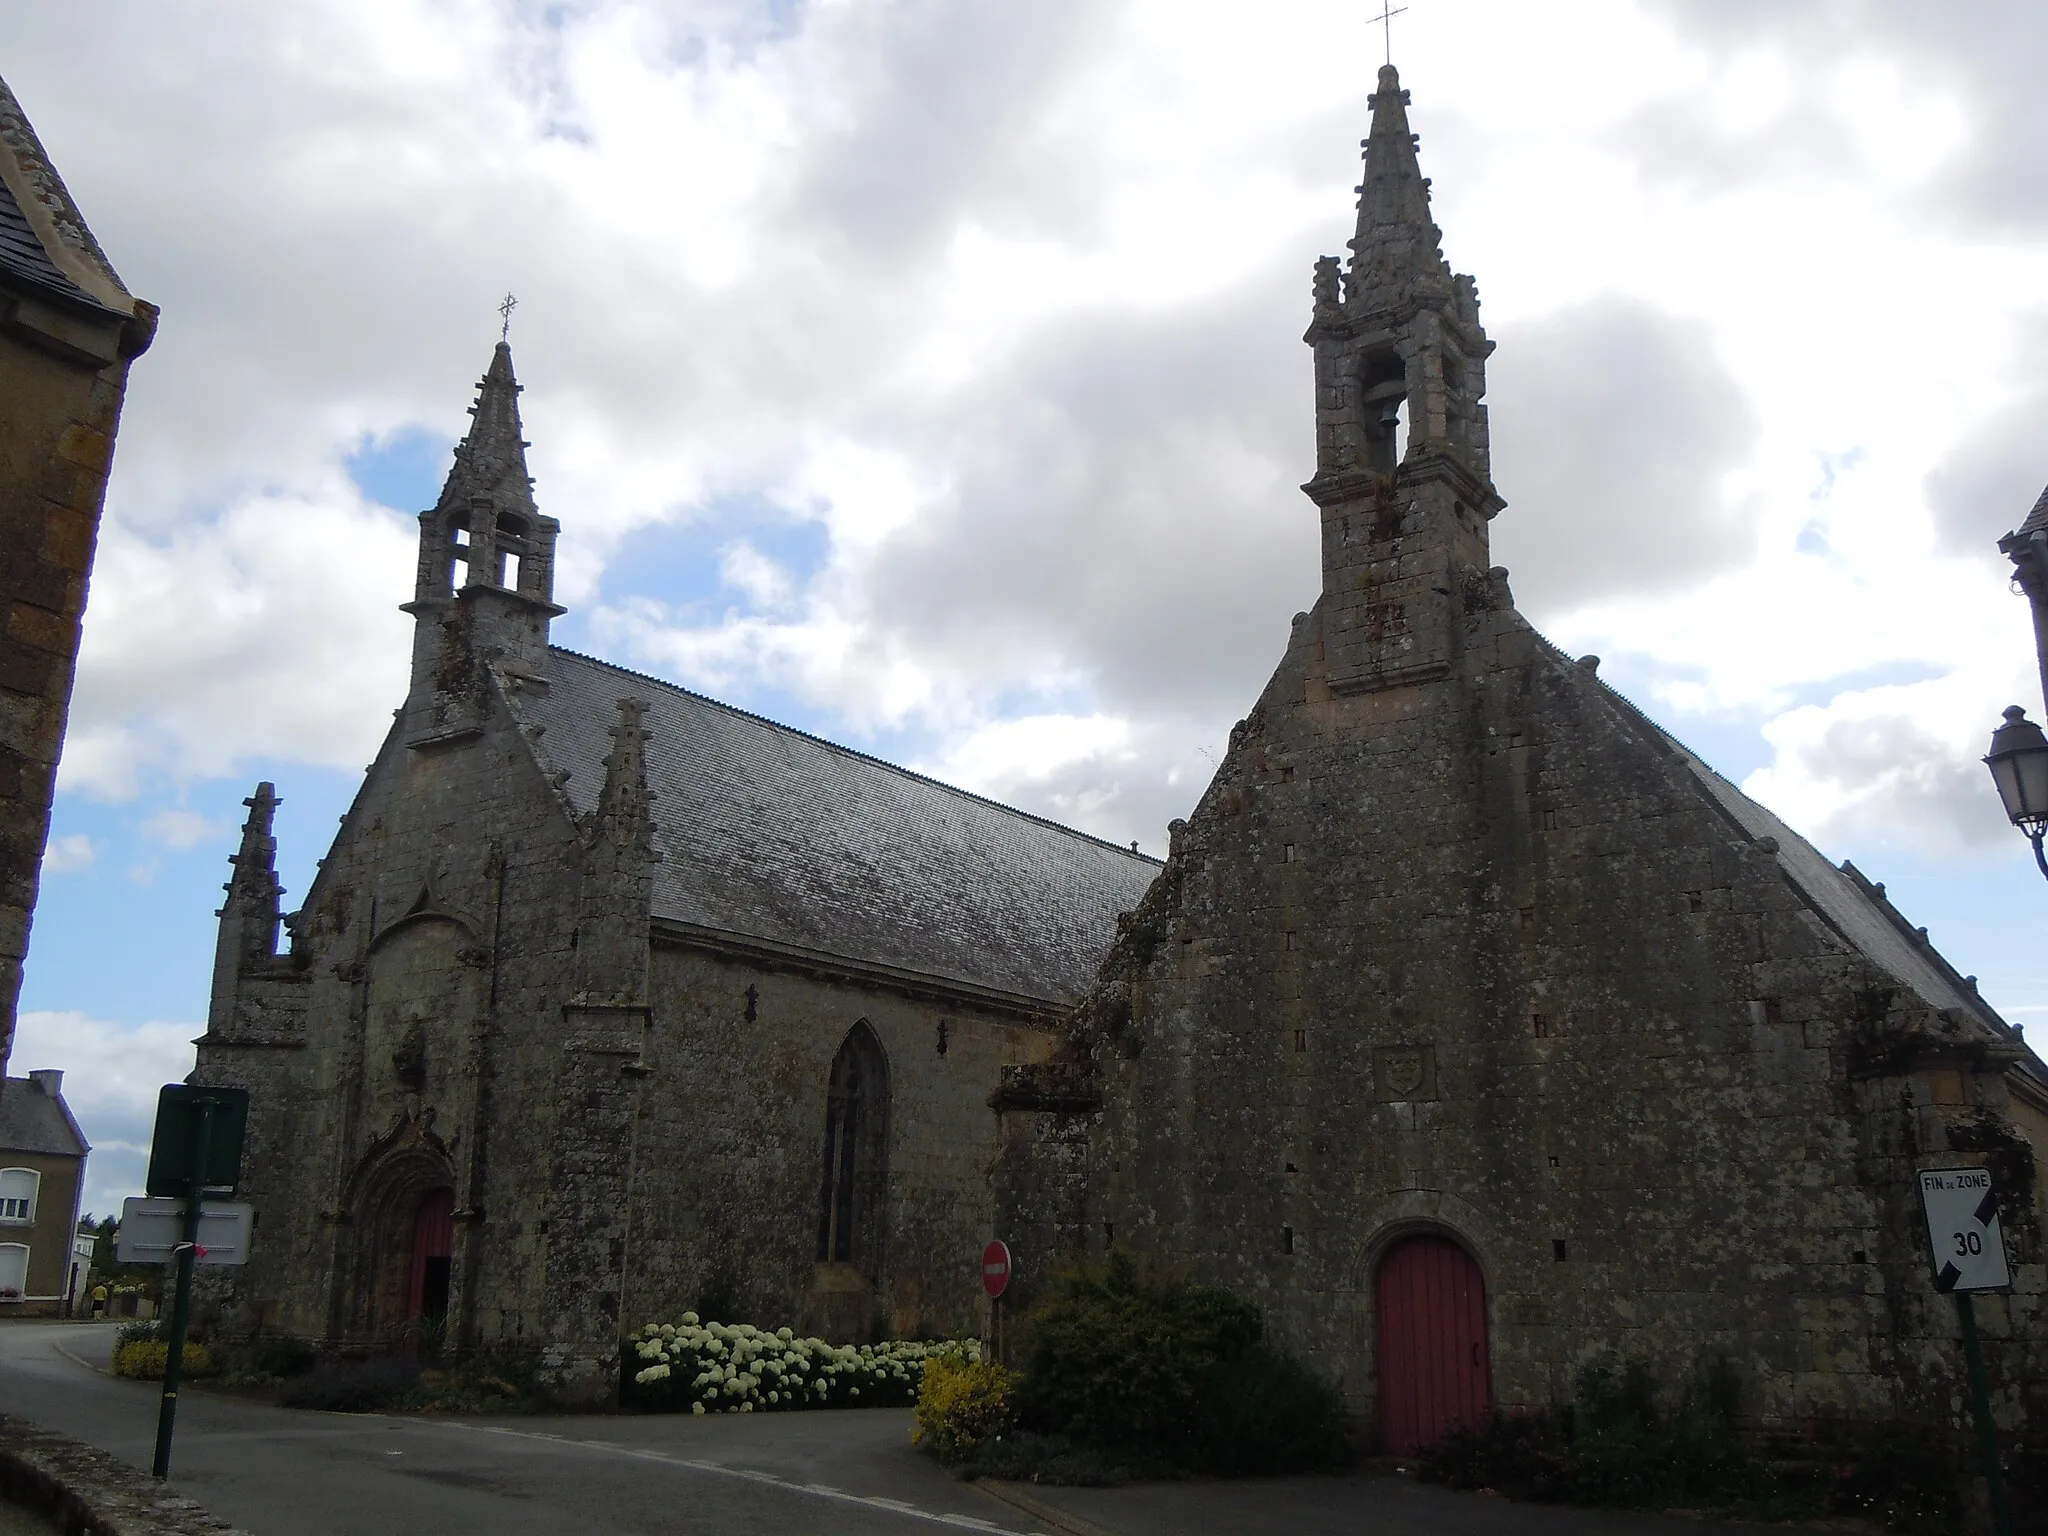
(961, 1403)
(145, 1359)
(1905, 1483)
(363, 1386)
(282, 1356)
(1613, 1447)
(1264, 1413)
(1129, 1360)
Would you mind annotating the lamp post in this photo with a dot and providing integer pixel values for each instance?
(2018, 761)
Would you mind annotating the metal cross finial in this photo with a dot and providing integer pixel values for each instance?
(505, 309)
(1388, 12)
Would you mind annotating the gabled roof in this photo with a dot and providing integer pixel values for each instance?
(1854, 907)
(34, 1121)
(1842, 897)
(26, 254)
(765, 832)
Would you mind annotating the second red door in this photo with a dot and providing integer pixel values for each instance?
(1433, 1368)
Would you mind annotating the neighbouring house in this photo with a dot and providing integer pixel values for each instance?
(68, 331)
(42, 1171)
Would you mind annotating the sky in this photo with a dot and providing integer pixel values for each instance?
(927, 374)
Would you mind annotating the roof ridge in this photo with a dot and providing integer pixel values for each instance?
(866, 757)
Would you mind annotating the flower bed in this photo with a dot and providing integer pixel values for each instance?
(699, 1367)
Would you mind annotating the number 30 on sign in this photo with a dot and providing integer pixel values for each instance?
(1965, 1245)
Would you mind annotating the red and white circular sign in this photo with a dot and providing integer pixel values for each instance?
(995, 1268)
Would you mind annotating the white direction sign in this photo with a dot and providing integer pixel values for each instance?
(1963, 1237)
(151, 1230)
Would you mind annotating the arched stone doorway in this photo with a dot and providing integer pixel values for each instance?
(402, 1267)
(1434, 1373)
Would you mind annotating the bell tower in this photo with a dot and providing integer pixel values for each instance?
(1402, 473)
(484, 592)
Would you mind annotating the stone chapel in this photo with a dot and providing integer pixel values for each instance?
(1477, 1028)
(608, 997)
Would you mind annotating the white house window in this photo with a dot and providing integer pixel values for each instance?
(13, 1270)
(18, 1194)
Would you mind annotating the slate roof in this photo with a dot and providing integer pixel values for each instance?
(32, 1121)
(2036, 519)
(769, 833)
(23, 256)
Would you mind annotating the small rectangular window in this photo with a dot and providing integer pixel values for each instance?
(1301, 1039)
(1539, 1025)
(1695, 901)
(1290, 938)
(1557, 1251)
(1287, 1239)
(1287, 853)
(18, 1194)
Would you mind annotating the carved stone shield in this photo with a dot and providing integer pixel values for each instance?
(1404, 1071)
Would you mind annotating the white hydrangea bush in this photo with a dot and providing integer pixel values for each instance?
(700, 1367)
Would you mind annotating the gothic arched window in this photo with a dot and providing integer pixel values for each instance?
(856, 1150)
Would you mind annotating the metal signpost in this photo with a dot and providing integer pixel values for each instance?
(1966, 1250)
(995, 1279)
(195, 1151)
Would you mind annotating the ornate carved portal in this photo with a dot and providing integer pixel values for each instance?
(402, 1267)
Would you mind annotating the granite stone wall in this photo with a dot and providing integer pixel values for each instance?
(1480, 957)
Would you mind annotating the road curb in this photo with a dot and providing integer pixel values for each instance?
(85, 1491)
(58, 1345)
(1014, 1496)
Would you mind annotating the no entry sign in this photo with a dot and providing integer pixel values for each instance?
(995, 1268)
(1963, 1236)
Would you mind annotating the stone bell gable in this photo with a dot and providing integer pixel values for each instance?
(1465, 982)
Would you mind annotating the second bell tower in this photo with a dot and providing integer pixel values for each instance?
(1402, 473)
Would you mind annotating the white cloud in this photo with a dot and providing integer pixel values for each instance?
(73, 851)
(1006, 302)
(180, 829)
(111, 1076)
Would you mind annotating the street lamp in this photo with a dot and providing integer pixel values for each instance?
(2018, 761)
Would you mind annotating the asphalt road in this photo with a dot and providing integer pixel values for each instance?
(280, 1472)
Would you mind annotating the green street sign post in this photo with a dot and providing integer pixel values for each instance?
(195, 1151)
(1966, 1249)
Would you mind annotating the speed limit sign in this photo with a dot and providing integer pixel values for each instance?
(1966, 1248)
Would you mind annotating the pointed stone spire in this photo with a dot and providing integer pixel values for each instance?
(483, 595)
(1397, 254)
(249, 919)
(490, 461)
(1402, 479)
(625, 815)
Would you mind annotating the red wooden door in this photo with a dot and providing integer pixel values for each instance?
(1433, 1373)
(433, 1249)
